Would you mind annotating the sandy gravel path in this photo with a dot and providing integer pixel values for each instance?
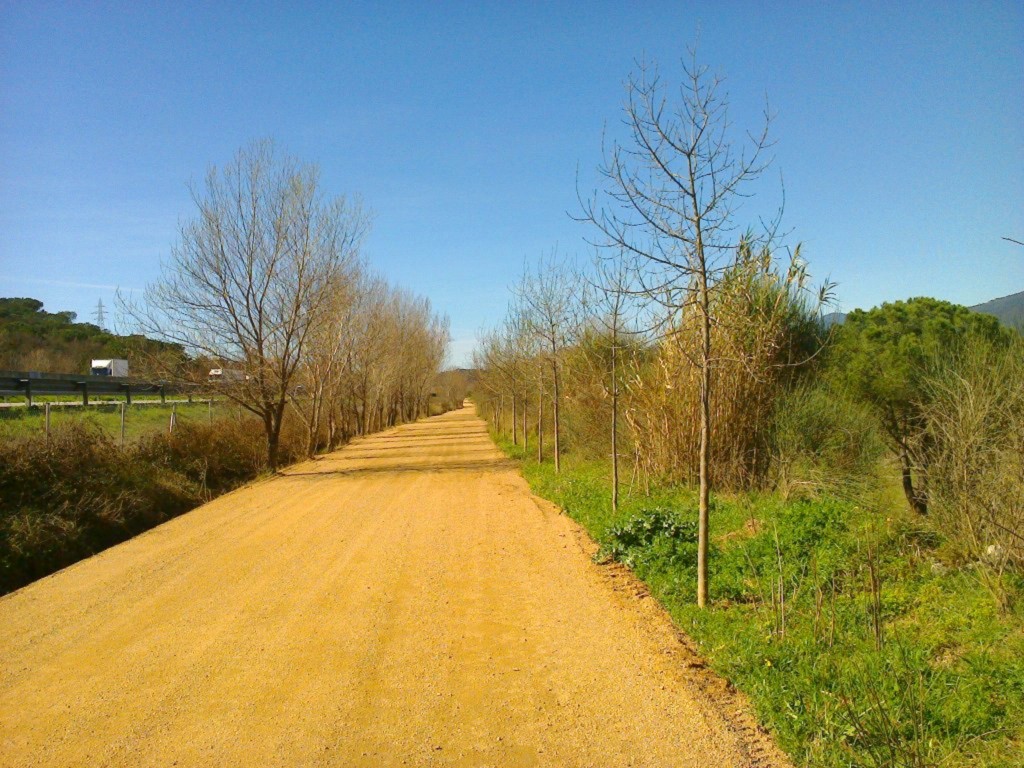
(404, 601)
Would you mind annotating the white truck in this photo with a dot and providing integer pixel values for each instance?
(227, 374)
(109, 368)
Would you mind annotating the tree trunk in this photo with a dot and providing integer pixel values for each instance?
(705, 446)
(615, 423)
(916, 497)
(540, 419)
(515, 422)
(316, 410)
(554, 408)
(272, 422)
(526, 435)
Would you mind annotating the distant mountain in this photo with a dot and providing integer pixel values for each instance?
(833, 318)
(1009, 309)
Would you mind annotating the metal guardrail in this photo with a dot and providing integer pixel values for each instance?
(29, 383)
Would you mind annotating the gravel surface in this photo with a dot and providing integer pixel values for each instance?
(403, 601)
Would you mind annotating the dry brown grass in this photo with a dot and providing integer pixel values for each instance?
(763, 334)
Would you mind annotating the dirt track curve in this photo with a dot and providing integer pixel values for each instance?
(404, 601)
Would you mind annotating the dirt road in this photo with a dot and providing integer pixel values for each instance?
(404, 601)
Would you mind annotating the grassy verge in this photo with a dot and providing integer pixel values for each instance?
(141, 419)
(856, 641)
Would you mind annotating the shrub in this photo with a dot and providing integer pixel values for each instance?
(884, 357)
(823, 441)
(215, 457)
(69, 497)
(764, 331)
(975, 447)
(657, 533)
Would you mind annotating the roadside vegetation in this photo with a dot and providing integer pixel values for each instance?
(861, 635)
(268, 287)
(79, 492)
(834, 513)
(141, 419)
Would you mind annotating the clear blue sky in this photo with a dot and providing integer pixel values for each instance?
(900, 132)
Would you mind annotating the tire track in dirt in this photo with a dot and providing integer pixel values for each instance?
(403, 601)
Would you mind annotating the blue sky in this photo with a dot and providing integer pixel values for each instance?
(900, 131)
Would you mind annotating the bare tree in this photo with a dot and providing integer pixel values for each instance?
(610, 308)
(320, 375)
(395, 346)
(548, 301)
(669, 203)
(253, 275)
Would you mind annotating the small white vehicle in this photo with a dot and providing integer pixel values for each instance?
(227, 374)
(117, 368)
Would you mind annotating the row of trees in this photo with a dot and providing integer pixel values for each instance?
(583, 355)
(268, 284)
(675, 285)
(697, 352)
(796, 406)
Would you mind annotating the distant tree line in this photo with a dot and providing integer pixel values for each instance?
(32, 339)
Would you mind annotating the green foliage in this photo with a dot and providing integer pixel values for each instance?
(885, 354)
(791, 623)
(656, 531)
(884, 357)
(823, 440)
(141, 419)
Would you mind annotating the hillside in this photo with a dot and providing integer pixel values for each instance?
(32, 339)
(833, 318)
(1009, 309)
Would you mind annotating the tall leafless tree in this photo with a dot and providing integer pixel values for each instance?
(668, 203)
(252, 276)
(610, 305)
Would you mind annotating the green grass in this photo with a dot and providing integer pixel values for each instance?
(141, 419)
(946, 685)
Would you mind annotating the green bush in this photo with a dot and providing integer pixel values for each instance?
(661, 532)
(823, 441)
